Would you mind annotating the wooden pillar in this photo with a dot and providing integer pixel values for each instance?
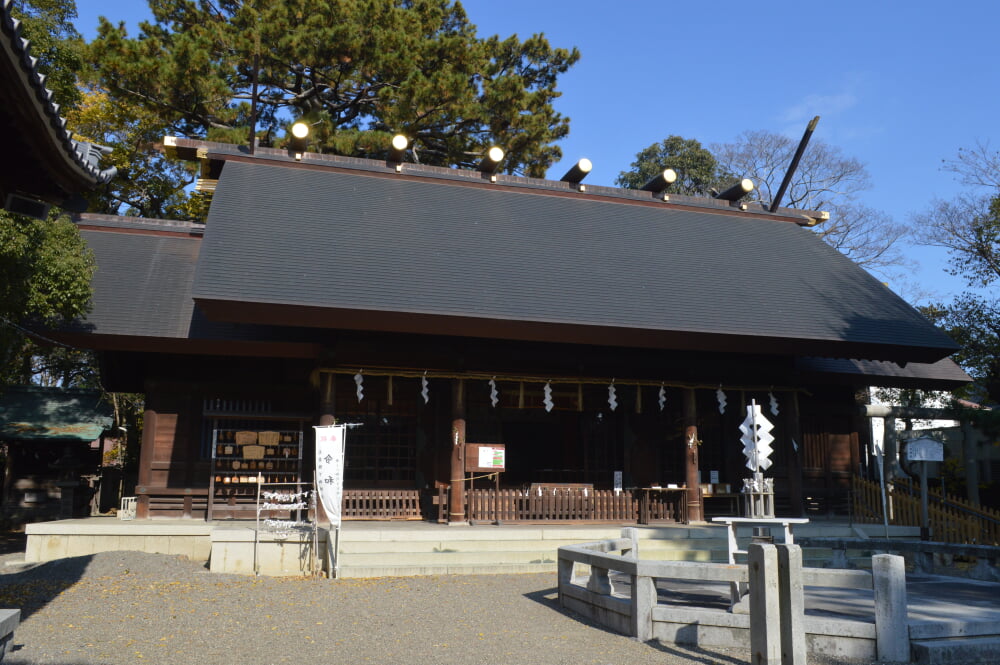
(146, 451)
(691, 442)
(795, 458)
(8, 476)
(456, 505)
(327, 401)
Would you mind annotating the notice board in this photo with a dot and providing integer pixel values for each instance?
(485, 457)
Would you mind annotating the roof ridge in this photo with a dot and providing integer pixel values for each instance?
(198, 149)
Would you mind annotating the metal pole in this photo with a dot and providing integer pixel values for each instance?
(925, 526)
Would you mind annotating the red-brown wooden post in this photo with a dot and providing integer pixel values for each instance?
(146, 463)
(694, 512)
(456, 505)
(327, 417)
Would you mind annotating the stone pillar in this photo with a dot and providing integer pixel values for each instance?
(765, 617)
(456, 505)
(892, 633)
(643, 601)
(791, 604)
(691, 443)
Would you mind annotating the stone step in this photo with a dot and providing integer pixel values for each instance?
(354, 571)
(502, 544)
(956, 651)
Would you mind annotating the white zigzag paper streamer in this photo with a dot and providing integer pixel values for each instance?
(721, 396)
(757, 438)
(360, 380)
(663, 397)
(424, 390)
(494, 393)
(548, 397)
(774, 403)
(612, 397)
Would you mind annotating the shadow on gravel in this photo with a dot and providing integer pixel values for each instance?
(698, 654)
(549, 598)
(32, 589)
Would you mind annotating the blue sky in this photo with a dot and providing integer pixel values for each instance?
(899, 85)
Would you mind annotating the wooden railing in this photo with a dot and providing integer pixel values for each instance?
(381, 504)
(519, 505)
(951, 519)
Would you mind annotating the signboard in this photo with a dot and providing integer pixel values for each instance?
(925, 449)
(713, 477)
(330, 469)
(485, 457)
(618, 482)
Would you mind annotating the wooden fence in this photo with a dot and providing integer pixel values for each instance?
(520, 505)
(951, 519)
(381, 504)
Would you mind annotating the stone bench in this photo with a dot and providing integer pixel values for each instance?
(9, 621)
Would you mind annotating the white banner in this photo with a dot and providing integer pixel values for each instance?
(330, 440)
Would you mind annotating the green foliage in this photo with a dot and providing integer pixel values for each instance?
(359, 71)
(147, 184)
(48, 25)
(45, 271)
(973, 321)
(698, 172)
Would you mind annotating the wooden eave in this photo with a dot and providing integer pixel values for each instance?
(41, 160)
(534, 331)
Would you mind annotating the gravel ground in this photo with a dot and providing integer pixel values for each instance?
(130, 607)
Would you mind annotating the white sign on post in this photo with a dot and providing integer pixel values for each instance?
(330, 441)
(493, 458)
(925, 449)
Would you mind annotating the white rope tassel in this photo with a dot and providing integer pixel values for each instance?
(662, 398)
(494, 393)
(424, 390)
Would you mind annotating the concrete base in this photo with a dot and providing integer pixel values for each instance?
(48, 541)
(233, 552)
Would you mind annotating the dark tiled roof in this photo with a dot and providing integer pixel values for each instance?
(30, 118)
(142, 285)
(143, 290)
(361, 242)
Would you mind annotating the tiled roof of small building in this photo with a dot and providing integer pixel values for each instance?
(30, 118)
